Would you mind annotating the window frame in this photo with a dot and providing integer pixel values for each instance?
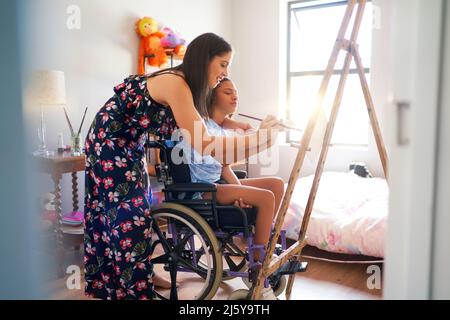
(290, 75)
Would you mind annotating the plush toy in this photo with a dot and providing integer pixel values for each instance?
(150, 45)
(174, 41)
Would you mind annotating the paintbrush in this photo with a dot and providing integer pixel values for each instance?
(82, 121)
(68, 121)
(258, 119)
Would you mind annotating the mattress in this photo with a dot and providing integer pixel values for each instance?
(349, 215)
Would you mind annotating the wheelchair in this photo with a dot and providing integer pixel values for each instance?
(195, 240)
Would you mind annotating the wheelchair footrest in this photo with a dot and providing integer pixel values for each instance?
(293, 267)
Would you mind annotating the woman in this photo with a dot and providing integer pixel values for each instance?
(117, 197)
(263, 193)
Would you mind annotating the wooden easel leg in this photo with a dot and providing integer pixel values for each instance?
(322, 159)
(371, 109)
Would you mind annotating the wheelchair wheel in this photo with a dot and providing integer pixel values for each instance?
(187, 253)
(232, 261)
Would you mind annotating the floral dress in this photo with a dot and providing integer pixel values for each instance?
(117, 195)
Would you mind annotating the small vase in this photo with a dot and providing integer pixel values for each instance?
(77, 145)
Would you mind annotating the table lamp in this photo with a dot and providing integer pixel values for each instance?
(47, 88)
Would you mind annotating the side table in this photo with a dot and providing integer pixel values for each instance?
(56, 166)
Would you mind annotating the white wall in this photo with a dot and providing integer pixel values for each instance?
(104, 51)
(259, 38)
(257, 65)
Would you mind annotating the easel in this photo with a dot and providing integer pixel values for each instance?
(293, 253)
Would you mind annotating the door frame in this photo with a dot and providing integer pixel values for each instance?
(415, 61)
(440, 277)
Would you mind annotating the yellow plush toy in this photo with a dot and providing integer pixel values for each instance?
(150, 45)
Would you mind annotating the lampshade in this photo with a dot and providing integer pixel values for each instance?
(47, 87)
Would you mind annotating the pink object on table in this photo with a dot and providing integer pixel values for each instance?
(75, 216)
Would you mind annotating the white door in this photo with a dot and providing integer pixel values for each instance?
(441, 250)
(411, 134)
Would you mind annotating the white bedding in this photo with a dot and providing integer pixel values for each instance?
(349, 214)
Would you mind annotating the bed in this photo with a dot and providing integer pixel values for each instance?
(349, 214)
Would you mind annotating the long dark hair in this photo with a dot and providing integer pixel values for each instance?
(200, 52)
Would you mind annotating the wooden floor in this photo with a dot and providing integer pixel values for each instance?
(322, 281)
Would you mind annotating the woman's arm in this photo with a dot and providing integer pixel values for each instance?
(229, 176)
(173, 91)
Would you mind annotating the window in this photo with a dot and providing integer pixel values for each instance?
(313, 27)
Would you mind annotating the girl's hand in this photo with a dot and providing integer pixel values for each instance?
(232, 124)
(241, 204)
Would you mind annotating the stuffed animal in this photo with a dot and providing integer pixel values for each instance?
(173, 40)
(150, 45)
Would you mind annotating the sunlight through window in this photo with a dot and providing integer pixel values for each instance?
(313, 27)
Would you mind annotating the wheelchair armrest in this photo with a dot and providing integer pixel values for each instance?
(191, 187)
(240, 174)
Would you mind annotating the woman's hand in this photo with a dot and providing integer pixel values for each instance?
(272, 126)
(268, 123)
(271, 123)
